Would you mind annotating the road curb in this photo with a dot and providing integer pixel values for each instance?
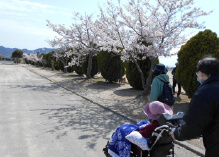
(184, 144)
(192, 148)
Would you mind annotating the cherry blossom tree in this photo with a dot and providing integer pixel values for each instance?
(63, 57)
(149, 28)
(34, 58)
(77, 41)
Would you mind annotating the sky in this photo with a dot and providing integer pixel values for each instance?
(23, 22)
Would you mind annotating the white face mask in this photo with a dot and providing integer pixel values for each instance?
(199, 80)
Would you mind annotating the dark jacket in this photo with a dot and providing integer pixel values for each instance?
(174, 73)
(202, 117)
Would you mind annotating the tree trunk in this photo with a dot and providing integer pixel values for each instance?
(64, 62)
(43, 64)
(147, 88)
(89, 67)
(139, 69)
(146, 83)
(52, 62)
(65, 65)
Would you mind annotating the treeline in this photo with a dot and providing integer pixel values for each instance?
(109, 64)
(112, 68)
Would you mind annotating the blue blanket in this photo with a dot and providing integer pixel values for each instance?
(119, 145)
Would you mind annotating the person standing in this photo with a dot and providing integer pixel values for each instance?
(175, 82)
(158, 82)
(202, 117)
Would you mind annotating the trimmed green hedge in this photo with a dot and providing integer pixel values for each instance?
(48, 58)
(78, 69)
(134, 76)
(110, 65)
(202, 44)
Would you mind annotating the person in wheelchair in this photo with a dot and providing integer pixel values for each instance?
(126, 137)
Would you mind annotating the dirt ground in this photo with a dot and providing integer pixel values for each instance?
(118, 97)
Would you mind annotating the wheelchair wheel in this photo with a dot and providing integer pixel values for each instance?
(138, 152)
(105, 150)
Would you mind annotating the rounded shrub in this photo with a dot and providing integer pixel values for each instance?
(48, 58)
(70, 69)
(27, 61)
(78, 70)
(134, 76)
(110, 65)
(58, 65)
(203, 44)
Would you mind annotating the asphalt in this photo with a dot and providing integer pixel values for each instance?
(56, 77)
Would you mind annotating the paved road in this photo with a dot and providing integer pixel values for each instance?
(40, 119)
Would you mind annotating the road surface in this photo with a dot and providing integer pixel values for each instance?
(40, 119)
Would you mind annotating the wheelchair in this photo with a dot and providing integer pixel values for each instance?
(160, 142)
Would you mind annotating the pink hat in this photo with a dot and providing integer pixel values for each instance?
(154, 109)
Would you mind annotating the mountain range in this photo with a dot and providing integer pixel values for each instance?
(7, 52)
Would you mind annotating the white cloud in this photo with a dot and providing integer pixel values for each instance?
(39, 31)
(21, 10)
(28, 17)
(32, 4)
(14, 26)
(19, 5)
(27, 10)
(23, 21)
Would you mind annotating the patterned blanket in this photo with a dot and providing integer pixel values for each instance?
(119, 145)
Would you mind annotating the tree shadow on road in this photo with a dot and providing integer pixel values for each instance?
(49, 87)
(128, 92)
(103, 85)
(91, 121)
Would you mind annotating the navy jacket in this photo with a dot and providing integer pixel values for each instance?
(202, 117)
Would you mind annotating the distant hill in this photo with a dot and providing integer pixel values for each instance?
(7, 52)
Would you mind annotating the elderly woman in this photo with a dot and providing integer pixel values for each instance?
(120, 146)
